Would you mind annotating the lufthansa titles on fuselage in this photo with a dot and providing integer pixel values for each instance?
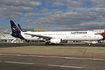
(78, 32)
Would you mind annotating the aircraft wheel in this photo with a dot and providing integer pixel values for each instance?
(89, 44)
(52, 44)
(47, 43)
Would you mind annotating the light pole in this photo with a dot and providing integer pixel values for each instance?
(100, 26)
(0, 37)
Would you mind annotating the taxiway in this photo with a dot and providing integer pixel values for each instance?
(38, 56)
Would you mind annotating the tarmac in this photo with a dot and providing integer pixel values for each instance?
(70, 49)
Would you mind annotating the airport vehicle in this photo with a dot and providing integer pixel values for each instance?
(56, 37)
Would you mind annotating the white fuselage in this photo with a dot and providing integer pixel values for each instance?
(64, 35)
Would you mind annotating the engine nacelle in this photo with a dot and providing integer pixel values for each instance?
(55, 41)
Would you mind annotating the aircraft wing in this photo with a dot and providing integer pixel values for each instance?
(41, 36)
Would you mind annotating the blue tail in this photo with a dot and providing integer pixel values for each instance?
(16, 32)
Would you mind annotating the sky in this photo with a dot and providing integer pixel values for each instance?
(52, 15)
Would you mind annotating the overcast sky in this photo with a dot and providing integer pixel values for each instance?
(52, 14)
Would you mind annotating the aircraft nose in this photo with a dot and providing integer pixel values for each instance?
(103, 35)
(100, 37)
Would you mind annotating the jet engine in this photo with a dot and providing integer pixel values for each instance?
(55, 41)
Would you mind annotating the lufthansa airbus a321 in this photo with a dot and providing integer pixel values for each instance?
(55, 37)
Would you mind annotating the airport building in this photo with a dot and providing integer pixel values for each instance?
(6, 37)
(38, 29)
(99, 30)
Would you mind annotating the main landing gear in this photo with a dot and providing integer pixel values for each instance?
(47, 43)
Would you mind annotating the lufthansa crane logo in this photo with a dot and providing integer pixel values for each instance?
(14, 28)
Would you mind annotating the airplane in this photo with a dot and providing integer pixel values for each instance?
(56, 37)
(19, 27)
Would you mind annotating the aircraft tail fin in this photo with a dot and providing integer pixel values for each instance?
(16, 32)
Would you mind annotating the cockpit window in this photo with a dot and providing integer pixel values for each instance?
(102, 34)
(97, 33)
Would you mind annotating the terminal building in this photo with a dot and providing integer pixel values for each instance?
(6, 37)
(38, 29)
(99, 30)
